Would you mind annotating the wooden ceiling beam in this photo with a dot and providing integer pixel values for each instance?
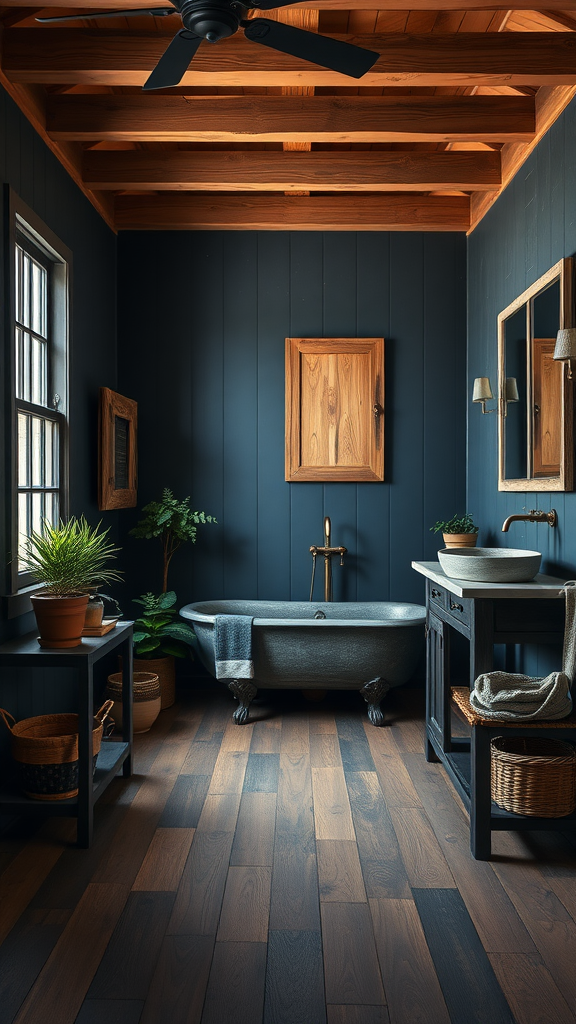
(549, 105)
(291, 118)
(457, 59)
(32, 102)
(325, 5)
(324, 171)
(369, 212)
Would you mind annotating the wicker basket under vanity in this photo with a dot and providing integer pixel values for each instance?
(146, 700)
(533, 775)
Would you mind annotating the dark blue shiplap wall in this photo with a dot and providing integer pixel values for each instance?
(202, 322)
(530, 227)
(43, 184)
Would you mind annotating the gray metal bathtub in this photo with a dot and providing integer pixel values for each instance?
(365, 646)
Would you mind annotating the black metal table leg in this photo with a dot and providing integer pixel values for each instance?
(127, 664)
(85, 723)
(480, 799)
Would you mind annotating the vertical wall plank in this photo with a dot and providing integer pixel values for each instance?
(233, 299)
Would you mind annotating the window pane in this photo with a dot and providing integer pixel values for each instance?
(37, 452)
(23, 523)
(37, 512)
(53, 507)
(39, 372)
(25, 307)
(38, 304)
(49, 475)
(23, 450)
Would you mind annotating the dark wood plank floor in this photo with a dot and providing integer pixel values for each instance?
(306, 868)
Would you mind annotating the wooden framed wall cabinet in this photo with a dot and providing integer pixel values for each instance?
(334, 409)
(117, 451)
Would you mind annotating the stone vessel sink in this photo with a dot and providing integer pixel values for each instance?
(490, 565)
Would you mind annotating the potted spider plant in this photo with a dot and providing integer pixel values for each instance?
(68, 560)
(458, 532)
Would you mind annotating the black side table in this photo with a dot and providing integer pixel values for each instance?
(25, 652)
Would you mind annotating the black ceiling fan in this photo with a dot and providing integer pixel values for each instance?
(215, 19)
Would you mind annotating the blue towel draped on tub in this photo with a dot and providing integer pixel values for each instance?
(233, 647)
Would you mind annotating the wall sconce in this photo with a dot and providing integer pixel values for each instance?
(510, 393)
(566, 347)
(482, 392)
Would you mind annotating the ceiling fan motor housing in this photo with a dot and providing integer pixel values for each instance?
(213, 21)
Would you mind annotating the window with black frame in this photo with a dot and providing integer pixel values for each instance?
(40, 338)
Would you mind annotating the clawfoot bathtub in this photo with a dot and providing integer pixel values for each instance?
(365, 646)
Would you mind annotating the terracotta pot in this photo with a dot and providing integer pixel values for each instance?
(146, 703)
(166, 672)
(460, 540)
(60, 620)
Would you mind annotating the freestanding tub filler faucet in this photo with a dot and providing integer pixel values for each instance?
(534, 516)
(328, 553)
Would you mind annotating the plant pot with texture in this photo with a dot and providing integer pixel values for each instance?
(159, 638)
(458, 532)
(68, 560)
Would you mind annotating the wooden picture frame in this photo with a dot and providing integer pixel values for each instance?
(117, 427)
(334, 409)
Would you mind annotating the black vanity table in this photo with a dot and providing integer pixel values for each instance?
(486, 614)
(25, 652)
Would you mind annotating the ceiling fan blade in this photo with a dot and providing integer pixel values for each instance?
(174, 61)
(157, 12)
(329, 53)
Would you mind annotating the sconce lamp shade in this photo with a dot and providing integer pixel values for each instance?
(512, 390)
(566, 344)
(482, 391)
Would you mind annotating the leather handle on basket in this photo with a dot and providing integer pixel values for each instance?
(101, 714)
(5, 715)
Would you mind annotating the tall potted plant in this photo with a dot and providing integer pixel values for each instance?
(458, 532)
(159, 637)
(68, 560)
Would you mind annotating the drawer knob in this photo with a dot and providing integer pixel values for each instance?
(455, 607)
(436, 593)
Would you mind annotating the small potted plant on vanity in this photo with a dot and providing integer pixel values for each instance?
(458, 532)
(68, 560)
(159, 636)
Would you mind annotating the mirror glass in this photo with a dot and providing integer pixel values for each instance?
(534, 393)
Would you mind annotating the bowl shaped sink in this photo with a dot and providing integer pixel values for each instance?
(490, 565)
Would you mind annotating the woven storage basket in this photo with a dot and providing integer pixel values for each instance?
(46, 749)
(533, 775)
(146, 699)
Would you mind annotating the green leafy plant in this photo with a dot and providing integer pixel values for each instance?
(158, 632)
(69, 559)
(174, 522)
(458, 524)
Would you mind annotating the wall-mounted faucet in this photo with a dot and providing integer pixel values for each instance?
(534, 516)
(328, 553)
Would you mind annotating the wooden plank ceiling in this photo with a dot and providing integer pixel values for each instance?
(253, 138)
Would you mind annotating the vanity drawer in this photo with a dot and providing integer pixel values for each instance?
(458, 607)
(438, 597)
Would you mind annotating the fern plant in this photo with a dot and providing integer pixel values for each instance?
(156, 633)
(69, 559)
(174, 522)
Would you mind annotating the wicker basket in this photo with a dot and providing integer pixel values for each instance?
(146, 699)
(46, 748)
(533, 775)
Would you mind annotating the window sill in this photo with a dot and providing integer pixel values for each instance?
(17, 604)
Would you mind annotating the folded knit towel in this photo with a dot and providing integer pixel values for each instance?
(233, 647)
(511, 695)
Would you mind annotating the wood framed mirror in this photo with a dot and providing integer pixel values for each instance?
(535, 395)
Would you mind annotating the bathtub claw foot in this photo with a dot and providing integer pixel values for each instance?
(373, 692)
(244, 692)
